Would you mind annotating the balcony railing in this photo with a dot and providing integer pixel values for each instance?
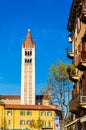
(77, 102)
(70, 53)
(80, 60)
(73, 75)
(80, 55)
(83, 11)
(84, 7)
(73, 72)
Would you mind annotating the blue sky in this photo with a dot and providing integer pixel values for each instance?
(47, 20)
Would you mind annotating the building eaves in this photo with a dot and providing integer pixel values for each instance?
(10, 96)
(72, 15)
(29, 107)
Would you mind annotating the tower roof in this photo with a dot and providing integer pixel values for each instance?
(28, 42)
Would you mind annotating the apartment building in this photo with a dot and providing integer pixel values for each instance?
(77, 53)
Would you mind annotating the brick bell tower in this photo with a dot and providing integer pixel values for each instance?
(28, 71)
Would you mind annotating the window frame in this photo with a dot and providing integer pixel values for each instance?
(43, 123)
(22, 122)
(49, 113)
(9, 122)
(9, 112)
(43, 113)
(49, 123)
(22, 113)
(28, 122)
(29, 113)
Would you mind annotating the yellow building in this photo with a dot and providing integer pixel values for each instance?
(19, 117)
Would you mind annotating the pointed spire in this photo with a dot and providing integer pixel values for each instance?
(29, 42)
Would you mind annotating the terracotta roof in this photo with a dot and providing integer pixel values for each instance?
(10, 96)
(31, 107)
(1, 102)
(29, 42)
(18, 97)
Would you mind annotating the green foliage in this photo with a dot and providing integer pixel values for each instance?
(59, 72)
(71, 67)
(39, 123)
(1, 97)
(58, 85)
(32, 124)
(36, 124)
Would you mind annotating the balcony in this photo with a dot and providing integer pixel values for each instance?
(70, 53)
(80, 60)
(83, 12)
(84, 7)
(73, 75)
(80, 55)
(78, 102)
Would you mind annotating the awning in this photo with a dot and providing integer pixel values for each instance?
(83, 119)
(73, 122)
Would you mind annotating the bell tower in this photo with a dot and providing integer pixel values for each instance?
(28, 71)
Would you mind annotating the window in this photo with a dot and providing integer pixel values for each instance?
(9, 122)
(28, 61)
(28, 122)
(25, 60)
(22, 113)
(9, 112)
(22, 122)
(49, 113)
(43, 113)
(49, 123)
(28, 53)
(29, 113)
(44, 123)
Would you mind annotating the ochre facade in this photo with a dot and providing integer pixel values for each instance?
(19, 117)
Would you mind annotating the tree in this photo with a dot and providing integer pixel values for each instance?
(59, 87)
(36, 124)
(32, 124)
(39, 123)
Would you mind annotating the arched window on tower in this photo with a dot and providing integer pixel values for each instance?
(30, 53)
(28, 61)
(26, 53)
